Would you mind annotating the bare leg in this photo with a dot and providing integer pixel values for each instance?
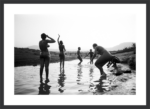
(60, 63)
(100, 68)
(60, 60)
(63, 64)
(91, 62)
(80, 60)
(47, 67)
(101, 62)
(41, 68)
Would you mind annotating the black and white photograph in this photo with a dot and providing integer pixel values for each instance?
(75, 54)
(77, 49)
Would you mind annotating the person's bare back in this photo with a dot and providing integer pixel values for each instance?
(45, 55)
(100, 50)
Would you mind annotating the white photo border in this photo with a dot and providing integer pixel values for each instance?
(11, 99)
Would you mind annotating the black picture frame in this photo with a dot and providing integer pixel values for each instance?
(2, 2)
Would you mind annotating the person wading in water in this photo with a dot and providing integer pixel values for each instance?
(45, 55)
(79, 55)
(62, 50)
(103, 59)
(91, 55)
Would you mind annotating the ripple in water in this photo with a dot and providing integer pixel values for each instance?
(74, 79)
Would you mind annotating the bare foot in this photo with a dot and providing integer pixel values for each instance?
(47, 80)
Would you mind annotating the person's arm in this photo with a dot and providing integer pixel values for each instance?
(58, 39)
(87, 55)
(51, 40)
(94, 55)
(78, 53)
(64, 48)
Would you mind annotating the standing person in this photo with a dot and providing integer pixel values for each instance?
(79, 56)
(91, 55)
(62, 50)
(45, 55)
(103, 59)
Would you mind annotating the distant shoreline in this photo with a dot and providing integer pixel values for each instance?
(36, 64)
(26, 57)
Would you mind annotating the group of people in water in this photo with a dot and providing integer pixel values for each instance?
(105, 57)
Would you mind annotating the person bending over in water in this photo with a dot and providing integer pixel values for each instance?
(79, 56)
(113, 61)
(91, 55)
(44, 55)
(103, 59)
(62, 50)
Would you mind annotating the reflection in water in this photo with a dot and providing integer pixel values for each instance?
(74, 80)
(44, 89)
(79, 75)
(101, 87)
(91, 86)
(61, 80)
(91, 73)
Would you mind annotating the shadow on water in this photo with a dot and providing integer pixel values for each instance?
(79, 75)
(44, 89)
(61, 80)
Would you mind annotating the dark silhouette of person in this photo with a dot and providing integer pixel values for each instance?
(91, 73)
(99, 86)
(62, 50)
(79, 75)
(61, 80)
(79, 55)
(103, 59)
(91, 55)
(45, 55)
(44, 89)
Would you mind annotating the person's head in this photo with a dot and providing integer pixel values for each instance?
(61, 42)
(90, 50)
(79, 48)
(43, 36)
(94, 45)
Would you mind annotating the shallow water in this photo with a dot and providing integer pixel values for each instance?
(73, 79)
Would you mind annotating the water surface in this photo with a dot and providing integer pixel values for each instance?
(74, 79)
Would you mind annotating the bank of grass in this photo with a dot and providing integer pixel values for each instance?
(25, 56)
(128, 58)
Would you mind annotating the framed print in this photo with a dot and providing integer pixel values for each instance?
(74, 54)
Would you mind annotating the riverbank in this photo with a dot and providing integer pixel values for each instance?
(25, 56)
(124, 84)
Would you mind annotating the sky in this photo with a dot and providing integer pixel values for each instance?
(78, 26)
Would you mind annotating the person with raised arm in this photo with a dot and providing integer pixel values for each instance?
(62, 50)
(45, 55)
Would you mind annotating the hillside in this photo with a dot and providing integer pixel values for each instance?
(115, 48)
(120, 46)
